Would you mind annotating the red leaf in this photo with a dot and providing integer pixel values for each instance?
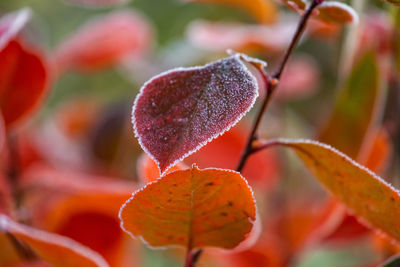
(299, 80)
(23, 80)
(148, 171)
(57, 250)
(179, 111)
(262, 169)
(2, 133)
(6, 202)
(218, 36)
(105, 41)
(79, 206)
(11, 24)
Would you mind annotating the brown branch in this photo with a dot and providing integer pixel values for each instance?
(273, 82)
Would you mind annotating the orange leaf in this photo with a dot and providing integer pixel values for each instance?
(367, 195)
(105, 41)
(23, 80)
(57, 250)
(263, 10)
(192, 208)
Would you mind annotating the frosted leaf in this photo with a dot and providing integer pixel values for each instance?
(179, 111)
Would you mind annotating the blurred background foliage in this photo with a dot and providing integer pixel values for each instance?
(116, 88)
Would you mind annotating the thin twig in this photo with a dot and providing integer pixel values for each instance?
(273, 82)
(189, 259)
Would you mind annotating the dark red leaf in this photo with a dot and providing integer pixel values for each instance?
(181, 110)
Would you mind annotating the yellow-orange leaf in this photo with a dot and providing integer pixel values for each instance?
(55, 249)
(192, 208)
(263, 10)
(372, 199)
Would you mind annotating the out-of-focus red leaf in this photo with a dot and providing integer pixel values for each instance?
(41, 176)
(179, 111)
(262, 169)
(199, 208)
(2, 133)
(268, 251)
(96, 3)
(348, 229)
(79, 206)
(24, 76)
(104, 42)
(55, 249)
(217, 36)
(373, 25)
(304, 222)
(300, 79)
(263, 10)
(11, 24)
(5, 196)
(148, 171)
